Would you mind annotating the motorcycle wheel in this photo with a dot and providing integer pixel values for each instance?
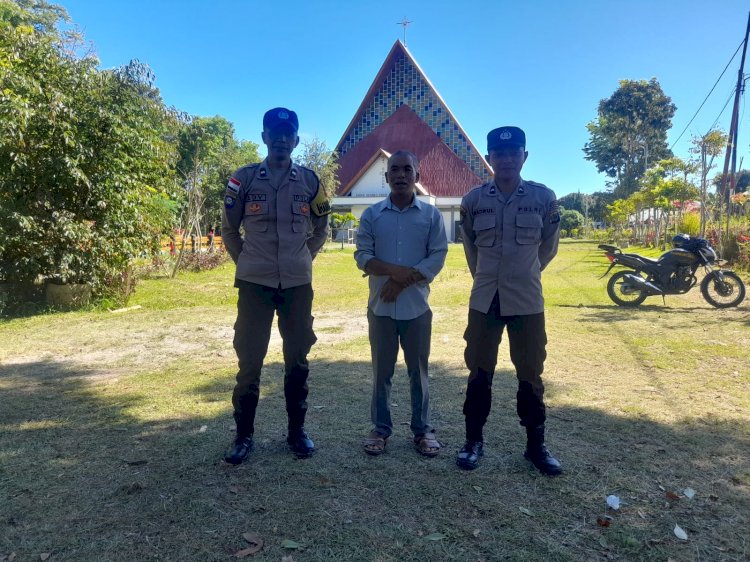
(723, 294)
(621, 292)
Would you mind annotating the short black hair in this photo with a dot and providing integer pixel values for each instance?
(414, 159)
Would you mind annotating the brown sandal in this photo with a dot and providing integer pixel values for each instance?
(374, 444)
(427, 444)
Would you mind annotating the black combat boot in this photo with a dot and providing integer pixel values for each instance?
(295, 393)
(538, 454)
(244, 417)
(468, 456)
(240, 449)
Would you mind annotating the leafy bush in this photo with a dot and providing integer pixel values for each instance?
(86, 165)
(690, 224)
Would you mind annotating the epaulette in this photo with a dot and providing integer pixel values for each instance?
(537, 184)
(476, 188)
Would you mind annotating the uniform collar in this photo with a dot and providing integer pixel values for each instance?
(493, 190)
(388, 204)
(264, 172)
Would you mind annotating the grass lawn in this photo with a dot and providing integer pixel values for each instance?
(113, 425)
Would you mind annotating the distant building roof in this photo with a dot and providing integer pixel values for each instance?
(403, 111)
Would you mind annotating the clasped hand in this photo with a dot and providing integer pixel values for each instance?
(400, 278)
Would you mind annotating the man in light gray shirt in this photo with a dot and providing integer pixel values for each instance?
(401, 245)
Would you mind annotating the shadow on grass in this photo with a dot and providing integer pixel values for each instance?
(614, 313)
(108, 469)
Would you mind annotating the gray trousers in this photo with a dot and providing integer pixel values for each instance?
(414, 337)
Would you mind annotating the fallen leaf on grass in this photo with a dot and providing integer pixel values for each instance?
(671, 495)
(603, 542)
(475, 533)
(435, 537)
(477, 488)
(256, 543)
(44, 556)
(689, 493)
(641, 515)
(613, 502)
(603, 521)
(11, 557)
(526, 511)
(290, 544)
(680, 533)
(318, 407)
(203, 429)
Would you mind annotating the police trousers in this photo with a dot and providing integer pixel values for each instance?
(256, 307)
(414, 337)
(527, 341)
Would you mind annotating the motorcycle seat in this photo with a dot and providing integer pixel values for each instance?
(641, 258)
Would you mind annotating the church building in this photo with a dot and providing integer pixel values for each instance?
(403, 111)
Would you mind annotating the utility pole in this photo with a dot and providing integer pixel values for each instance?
(731, 153)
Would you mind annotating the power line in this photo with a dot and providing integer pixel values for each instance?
(731, 95)
(707, 96)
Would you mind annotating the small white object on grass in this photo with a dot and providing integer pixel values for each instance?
(613, 502)
(680, 533)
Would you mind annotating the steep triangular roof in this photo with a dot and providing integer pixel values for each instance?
(379, 153)
(402, 110)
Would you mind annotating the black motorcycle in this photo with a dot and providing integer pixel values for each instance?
(672, 274)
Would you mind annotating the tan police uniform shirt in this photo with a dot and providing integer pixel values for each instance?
(285, 224)
(508, 241)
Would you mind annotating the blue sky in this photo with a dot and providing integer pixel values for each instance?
(541, 65)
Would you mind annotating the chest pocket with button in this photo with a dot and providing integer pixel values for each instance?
(301, 217)
(484, 230)
(529, 228)
(256, 216)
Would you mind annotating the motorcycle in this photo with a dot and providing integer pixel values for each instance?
(672, 274)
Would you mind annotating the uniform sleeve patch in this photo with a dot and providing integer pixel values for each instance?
(229, 201)
(554, 212)
(320, 206)
(233, 186)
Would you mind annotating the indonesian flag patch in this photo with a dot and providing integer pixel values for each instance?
(233, 185)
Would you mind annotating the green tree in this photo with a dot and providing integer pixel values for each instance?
(629, 132)
(85, 161)
(705, 150)
(208, 154)
(619, 213)
(570, 219)
(316, 156)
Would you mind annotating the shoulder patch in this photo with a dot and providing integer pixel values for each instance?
(554, 212)
(320, 206)
(233, 186)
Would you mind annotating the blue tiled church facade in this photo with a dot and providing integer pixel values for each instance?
(404, 85)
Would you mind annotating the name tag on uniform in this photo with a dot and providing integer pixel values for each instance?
(300, 197)
(489, 211)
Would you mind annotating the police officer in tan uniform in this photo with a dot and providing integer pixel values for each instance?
(510, 230)
(282, 209)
